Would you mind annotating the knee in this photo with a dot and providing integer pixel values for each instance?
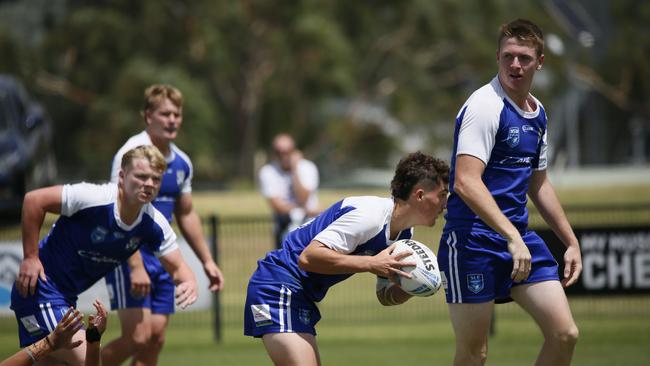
(138, 341)
(157, 341)
(568, 336)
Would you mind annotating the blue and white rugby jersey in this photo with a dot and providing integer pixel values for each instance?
(88, 239)
(176, 180)
(355, 225)
(510, 141)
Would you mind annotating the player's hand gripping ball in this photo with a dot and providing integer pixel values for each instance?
(425, 280)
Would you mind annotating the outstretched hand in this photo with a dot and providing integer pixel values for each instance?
(386, 264)
(98, 320)
(61, 336)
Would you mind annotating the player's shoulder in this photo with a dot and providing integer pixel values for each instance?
(181, 155)
(157, 218)
(134, 141)
(79, 196)
(486, 100)
(371, 207)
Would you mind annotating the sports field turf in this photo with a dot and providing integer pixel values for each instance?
(356, 330)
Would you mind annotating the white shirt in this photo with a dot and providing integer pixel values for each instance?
(276, 182)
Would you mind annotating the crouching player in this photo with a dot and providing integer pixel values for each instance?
(99, 227)
(354, 235)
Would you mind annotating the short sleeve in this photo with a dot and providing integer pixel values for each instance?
(352, 229)
(75, 197)
(478, 128)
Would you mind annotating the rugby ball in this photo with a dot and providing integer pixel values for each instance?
(425, 275)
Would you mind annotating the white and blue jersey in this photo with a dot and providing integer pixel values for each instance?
(281, 296)
(510, 141)
(512, 144)
(86, 242)
(176, 180)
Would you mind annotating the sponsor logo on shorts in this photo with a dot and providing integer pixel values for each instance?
(475, 282)
(31, 324)
(305, 316)
(261, 314)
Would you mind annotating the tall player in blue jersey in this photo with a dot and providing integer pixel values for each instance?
(352, 236)
(144, 314)
(99, 227)
(487, 253)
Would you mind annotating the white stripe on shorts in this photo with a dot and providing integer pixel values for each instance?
(48, 316)
(456, 294)
(120, 294)
(285, 305)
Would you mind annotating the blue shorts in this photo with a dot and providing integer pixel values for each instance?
(476, 265)
(161, 297)
(37, 315)
(278, 308)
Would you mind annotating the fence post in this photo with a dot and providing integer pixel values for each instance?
(216, 310)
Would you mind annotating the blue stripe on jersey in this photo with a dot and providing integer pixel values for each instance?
(282, 265)
(515, 154)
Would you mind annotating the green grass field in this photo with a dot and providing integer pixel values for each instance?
(356, 330)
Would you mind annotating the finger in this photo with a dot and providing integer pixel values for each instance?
(76, 344)
(405, 264)
(402, 255)
(391, 248)
(42, 275)
(515, 270)
(32, 285)
(399, 272)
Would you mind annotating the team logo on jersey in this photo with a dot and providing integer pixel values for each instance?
(304, 315)
(475, 282)
(98, 235)
(133, 243)
(513, 137)
(180, 177)
(30, 323)
(261, 314)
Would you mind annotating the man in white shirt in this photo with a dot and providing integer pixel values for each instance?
(289, 184)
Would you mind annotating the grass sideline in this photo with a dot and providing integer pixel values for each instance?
(613, 331)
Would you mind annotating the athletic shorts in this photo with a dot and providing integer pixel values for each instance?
(476, 265)
(37, 316)
(278, 308)
(161, 296)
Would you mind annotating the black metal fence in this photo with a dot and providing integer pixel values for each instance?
(240, 241)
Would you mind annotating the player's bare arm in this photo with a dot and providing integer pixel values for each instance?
(36, 205)
(140, 281)
(542, 193)
(319, 258)
(470, 187)
(183, 277)
(190, 226)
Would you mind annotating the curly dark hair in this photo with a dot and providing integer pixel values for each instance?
(415, 168)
